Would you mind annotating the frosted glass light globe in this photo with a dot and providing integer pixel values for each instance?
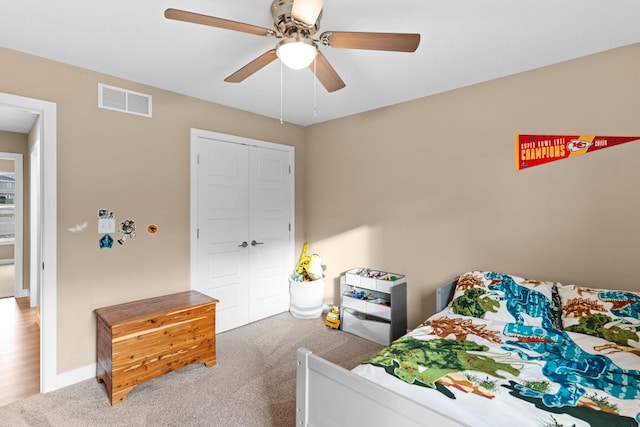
(296, 53)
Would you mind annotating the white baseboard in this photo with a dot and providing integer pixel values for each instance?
(7, 261)
(75, 376)
(23, 293)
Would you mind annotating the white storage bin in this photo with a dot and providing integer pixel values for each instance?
(306, 298)
(384, 284)
(352, 277)
(372, 330)
(369, 282)
(375, 307)
(355, 303)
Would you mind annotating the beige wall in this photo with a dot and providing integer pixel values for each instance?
(425, 188)
(428, 188)
(7, 165)
(139, 168)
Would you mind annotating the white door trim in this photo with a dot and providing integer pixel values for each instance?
(193, 208)
(35, 224)
(48, 184)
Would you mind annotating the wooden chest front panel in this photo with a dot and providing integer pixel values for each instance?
(151, 344)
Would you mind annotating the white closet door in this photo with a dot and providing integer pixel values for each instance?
(223, 224)
(270, 201)
(244, 245)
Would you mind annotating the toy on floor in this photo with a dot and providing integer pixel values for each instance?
(333, 318)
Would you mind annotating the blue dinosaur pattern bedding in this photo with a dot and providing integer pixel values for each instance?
(500, 358)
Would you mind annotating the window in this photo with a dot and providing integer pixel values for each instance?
(7, 207)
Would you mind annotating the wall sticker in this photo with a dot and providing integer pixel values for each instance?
(128, 230)
(106, 242)
(79, 228)
(534, 150)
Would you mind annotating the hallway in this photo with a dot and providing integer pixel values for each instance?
(19, 350)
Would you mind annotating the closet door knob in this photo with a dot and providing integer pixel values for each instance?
(243, 245)
(253, 243)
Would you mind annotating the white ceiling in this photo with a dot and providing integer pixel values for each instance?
(14, 120)
(462, 42)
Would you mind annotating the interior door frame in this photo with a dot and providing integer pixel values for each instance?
(193, 208)
(47, 123)
(35, 224)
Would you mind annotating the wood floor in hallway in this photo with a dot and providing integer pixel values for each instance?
(19, 350)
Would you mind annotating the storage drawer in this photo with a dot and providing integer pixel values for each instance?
(380, 280)
(377, 307)
(355, 303)
(353, 277)
(385, 283)
(373, 330)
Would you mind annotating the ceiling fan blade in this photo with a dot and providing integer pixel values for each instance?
(212, 21)
(252, 67)
(326, 74)
(397, 42)
(307, 11)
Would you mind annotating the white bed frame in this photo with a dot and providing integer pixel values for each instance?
(328, 395)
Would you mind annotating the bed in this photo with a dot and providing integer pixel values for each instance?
(501, 351)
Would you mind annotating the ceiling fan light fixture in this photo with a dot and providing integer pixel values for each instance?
(307, 12)
(296, 53)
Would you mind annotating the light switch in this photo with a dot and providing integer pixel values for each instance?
(106, 225)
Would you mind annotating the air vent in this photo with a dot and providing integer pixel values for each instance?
(115, 98)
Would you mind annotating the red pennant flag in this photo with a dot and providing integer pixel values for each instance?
(534, 150)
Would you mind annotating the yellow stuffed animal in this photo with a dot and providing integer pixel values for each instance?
(304, 260)
(309, 267)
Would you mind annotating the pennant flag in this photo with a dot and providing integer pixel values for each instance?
(534, 150)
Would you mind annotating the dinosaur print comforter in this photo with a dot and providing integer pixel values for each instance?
(499, 357)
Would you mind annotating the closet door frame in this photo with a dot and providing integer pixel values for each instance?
(193, 227)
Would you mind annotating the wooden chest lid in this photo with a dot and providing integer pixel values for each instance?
(151, 306)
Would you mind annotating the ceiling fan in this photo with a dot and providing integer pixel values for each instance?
(295, 23)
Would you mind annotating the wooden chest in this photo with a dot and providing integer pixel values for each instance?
(141, 340)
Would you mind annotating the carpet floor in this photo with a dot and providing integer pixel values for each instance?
(252, 384)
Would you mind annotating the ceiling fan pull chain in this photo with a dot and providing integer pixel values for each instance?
(315, 84)
(281, 83)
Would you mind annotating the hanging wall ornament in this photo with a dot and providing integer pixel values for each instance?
(128, 230)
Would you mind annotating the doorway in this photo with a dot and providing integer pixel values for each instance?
(11, 222)
(46, 129)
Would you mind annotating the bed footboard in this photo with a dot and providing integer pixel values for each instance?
(329, 395)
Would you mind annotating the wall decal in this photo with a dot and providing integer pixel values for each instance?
(79, 228)
(152, 229)
(106, 242)
(534, 150)
(128, 230)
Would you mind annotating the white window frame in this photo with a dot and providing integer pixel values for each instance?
(3, 207)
